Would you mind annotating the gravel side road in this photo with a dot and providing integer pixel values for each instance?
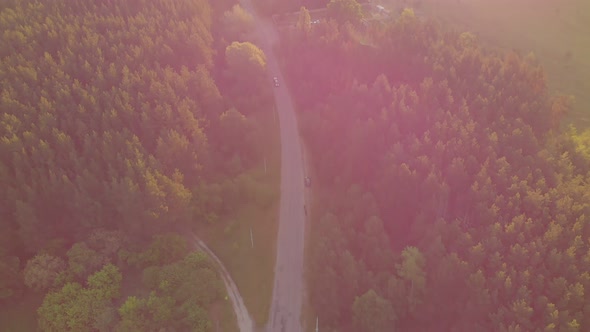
(245, 323)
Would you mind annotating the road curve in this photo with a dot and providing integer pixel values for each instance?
(285, 312)
(244, 321)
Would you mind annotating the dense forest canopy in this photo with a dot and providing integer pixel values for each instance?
(113, 134)
(449, 198)
(272, 7)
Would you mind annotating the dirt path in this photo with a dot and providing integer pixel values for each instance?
(243, 318)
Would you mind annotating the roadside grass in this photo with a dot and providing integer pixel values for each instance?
(557, 32)
(252, 268)
(223, 317)
(21, 316)
(312, 199)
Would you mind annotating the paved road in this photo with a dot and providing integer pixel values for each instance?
(285, 312)
(245, 323)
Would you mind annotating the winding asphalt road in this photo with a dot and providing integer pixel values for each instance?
(285, 312)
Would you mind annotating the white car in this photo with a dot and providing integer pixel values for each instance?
(276, 80)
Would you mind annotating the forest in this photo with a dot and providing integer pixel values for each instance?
(448, 195)
(289, 6)
(123, 126)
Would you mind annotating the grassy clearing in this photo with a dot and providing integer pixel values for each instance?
(556, 31)
(21, 316)
(252, 268)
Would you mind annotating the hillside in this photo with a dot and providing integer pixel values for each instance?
(556, 31)
(448, 198)
(122, 128)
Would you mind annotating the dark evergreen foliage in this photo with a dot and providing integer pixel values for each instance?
(454, 202)
(113, 134)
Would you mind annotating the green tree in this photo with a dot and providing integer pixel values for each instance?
(83, 261)
(237, 23)
(172, 301)
(134, 315)
(165, 248)
(345, 11)
(234, 129)
(246, 65)
(106, 242)
(196, 317)
(65, 310)
(106, 283)
(74, 308)
(372, 313)
(304, 21)
(411, 269)
(42, 270)
(161, 309)
(176, 152)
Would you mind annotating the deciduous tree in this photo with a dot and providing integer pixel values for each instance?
(42, 270)
(372, 313)
(237, 23)
(345, 11)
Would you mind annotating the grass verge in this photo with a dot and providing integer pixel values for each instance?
(223, 317)
(312, 201)
(252, 267)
